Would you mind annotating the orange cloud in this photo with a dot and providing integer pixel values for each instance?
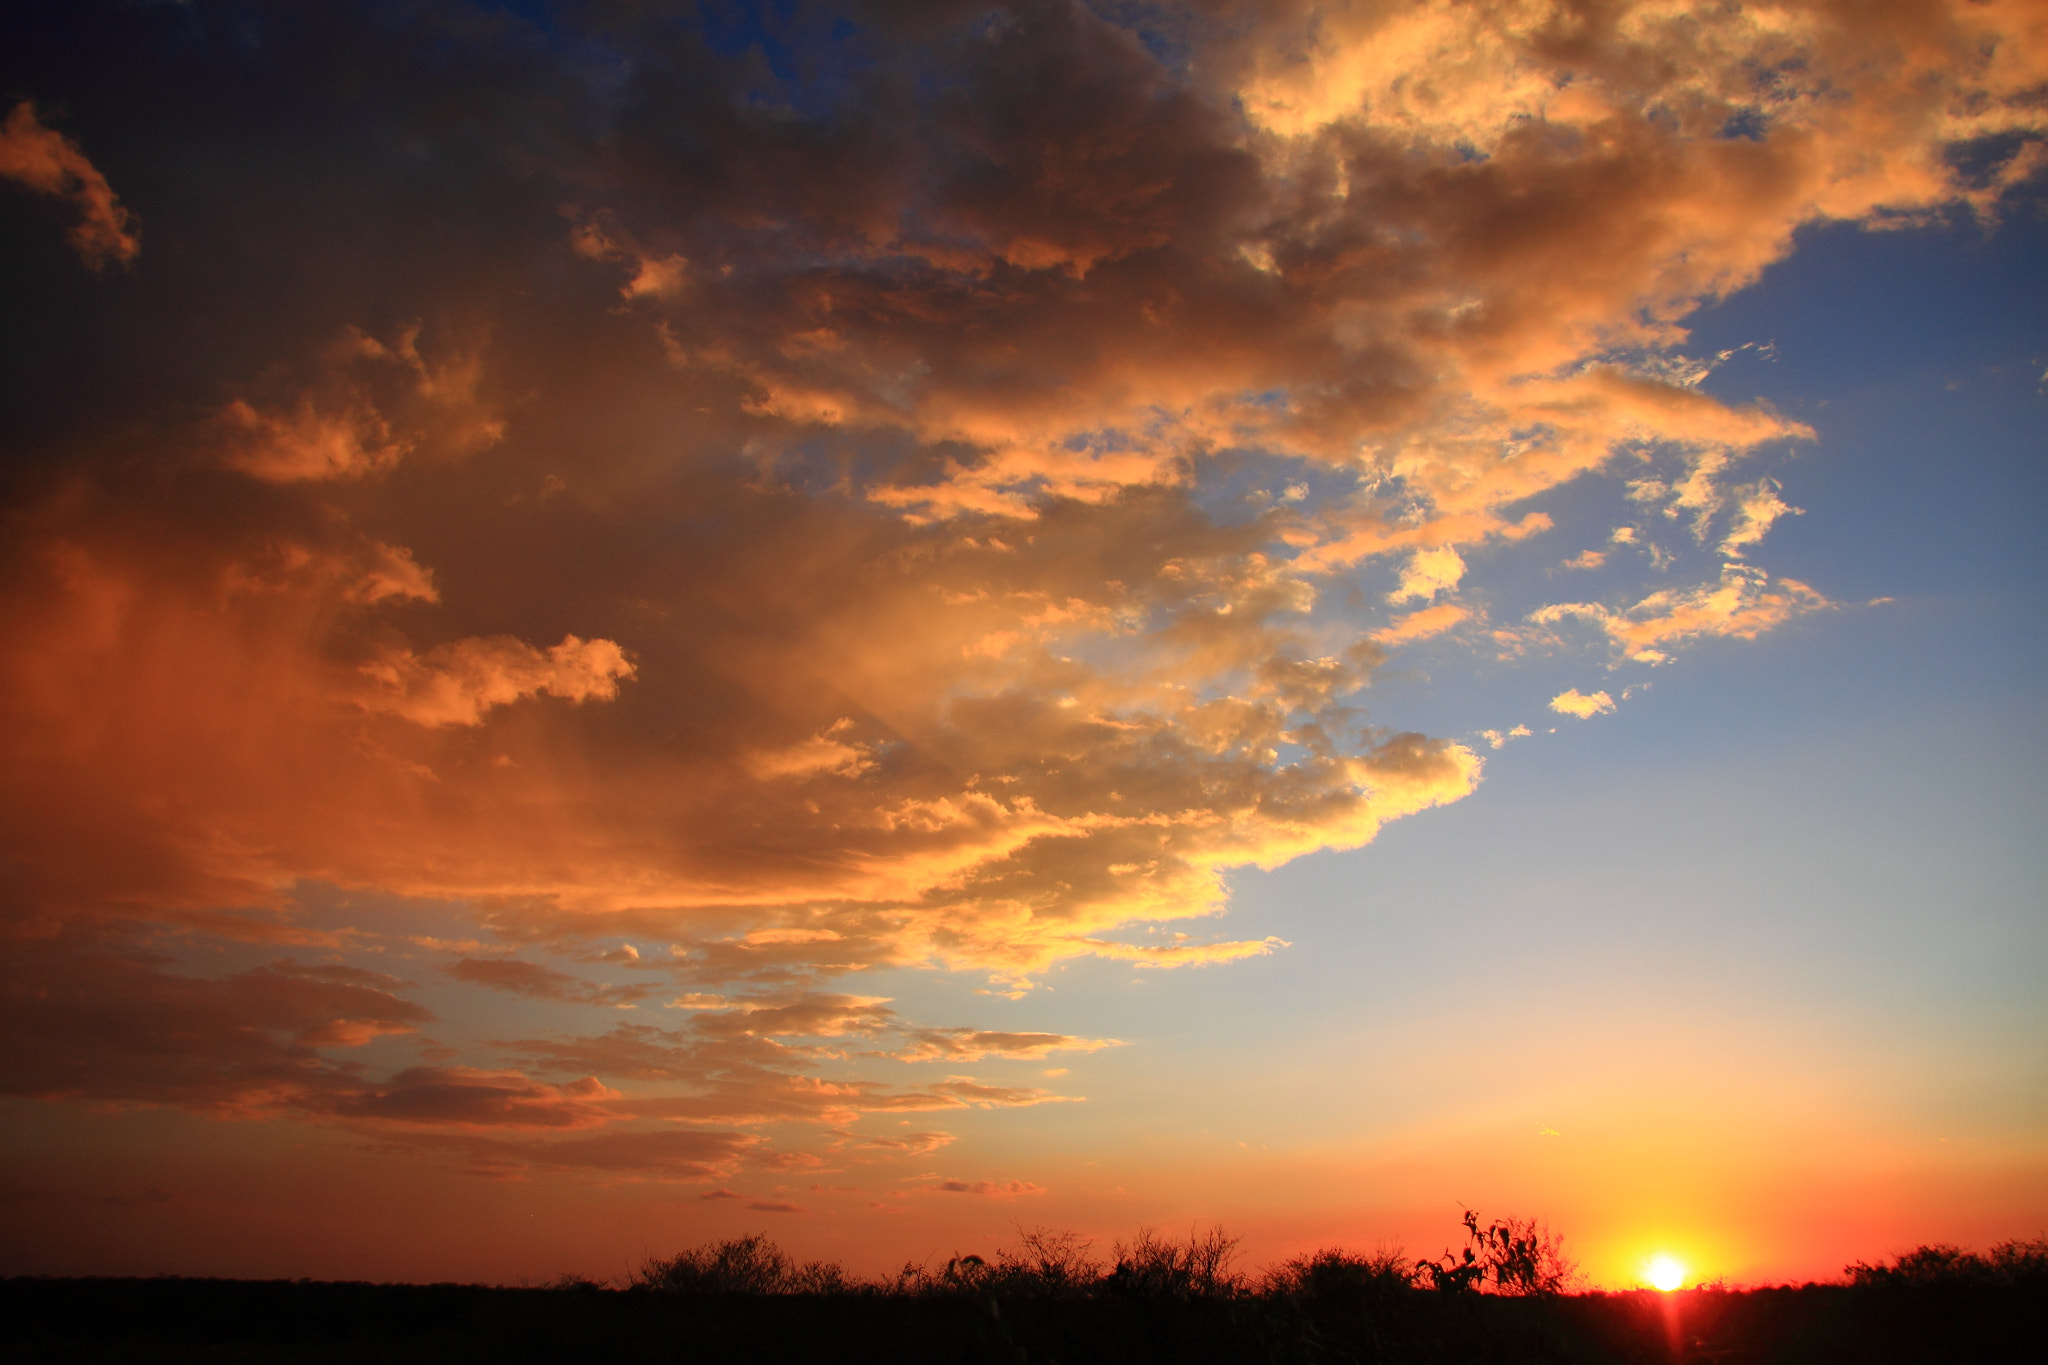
(1423, 624)
(456, 683)
(1742, 605)
(47, 162)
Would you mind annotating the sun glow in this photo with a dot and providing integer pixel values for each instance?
(1665, 1273)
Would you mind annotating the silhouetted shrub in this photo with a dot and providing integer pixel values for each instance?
(1049, 1262)
(1335, 1275)
(1519, 1255)
(1152, 1267)
(2010, 1263)
(741, 1265)
(969, 1274)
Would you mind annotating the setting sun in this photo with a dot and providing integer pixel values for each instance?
(1665, 1273)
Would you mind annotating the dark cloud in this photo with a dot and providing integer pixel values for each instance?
(112, 1027)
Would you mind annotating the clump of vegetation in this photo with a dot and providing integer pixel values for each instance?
(1153, 1267)
(2009, 1263)
(742, 1265)
(1054, 1264)
(1334, 1278)
(1047, 1263)
(1517, 1255)
(1335, 1275)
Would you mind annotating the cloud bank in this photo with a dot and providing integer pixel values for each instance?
(922, 487)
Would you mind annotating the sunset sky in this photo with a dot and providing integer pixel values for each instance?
(631, 622)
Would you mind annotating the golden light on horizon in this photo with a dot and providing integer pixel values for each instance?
(1665, 1273)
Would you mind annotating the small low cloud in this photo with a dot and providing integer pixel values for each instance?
(969, 1045)
(1428, 573)
(1742, 604)
(1757, 505)
(1573, 702)
(1499, 739)
(827, 752)
(1421, 625)
(988, 1189)
(910, 1144)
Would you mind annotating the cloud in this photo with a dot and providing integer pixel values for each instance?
(1745, 603)
(822, 753)
(509, 1153)
(307, 443)
(367, 405)
(538, 982)
(456, 683)
(1572, 702)
(1429, 572)
(971, 1045)
(1498, 739)
(114, 1028)
(1421, 625)
(678, 1155)
(1757, 506)
(876, 461)
(47, 162)
(468, 1097)
(987, 1189)
(913, 1144)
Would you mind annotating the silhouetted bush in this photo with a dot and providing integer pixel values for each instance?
(968, 1274)
(1049, 1262)
(1153, 1267)
(1519, 1255)
(741, 1265)
(2009, 1263)
(1044, 1263)
(1334, 1274)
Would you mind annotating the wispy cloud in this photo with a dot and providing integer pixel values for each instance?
(47, 162)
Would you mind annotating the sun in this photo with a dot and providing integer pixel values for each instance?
(1665, 1272)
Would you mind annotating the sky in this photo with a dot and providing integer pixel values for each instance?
(631, 623)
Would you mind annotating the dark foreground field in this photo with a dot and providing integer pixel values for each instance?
(178, 1320)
